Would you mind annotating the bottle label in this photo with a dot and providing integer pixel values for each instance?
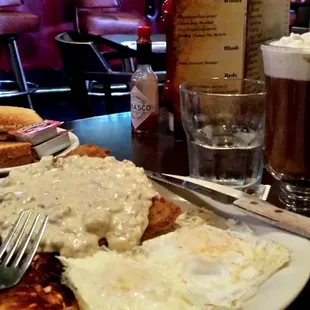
(141, 107)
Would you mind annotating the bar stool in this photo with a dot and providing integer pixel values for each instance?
(100, 17)
(12, 23)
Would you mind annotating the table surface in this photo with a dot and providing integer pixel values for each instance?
(158, 153)
(119, 38)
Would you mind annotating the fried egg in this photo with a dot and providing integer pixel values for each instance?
(194, 267)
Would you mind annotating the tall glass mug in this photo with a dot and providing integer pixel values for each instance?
(224, 123)
(287, 147)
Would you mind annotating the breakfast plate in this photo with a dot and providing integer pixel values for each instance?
(74, 144)
(197, 253)
(280, 290)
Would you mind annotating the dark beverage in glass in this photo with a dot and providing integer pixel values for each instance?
(287, 141)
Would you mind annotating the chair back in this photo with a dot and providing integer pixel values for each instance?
(80, 55)
(87, 4)
(81, 58)
(4, 3)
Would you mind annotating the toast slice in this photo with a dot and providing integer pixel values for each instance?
(13, 118)
(14, 154)
(6, 137)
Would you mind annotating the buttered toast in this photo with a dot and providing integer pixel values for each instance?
(12, 118)
(15, 154)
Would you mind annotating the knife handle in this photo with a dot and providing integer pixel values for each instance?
(281, 218)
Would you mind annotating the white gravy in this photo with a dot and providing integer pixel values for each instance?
(85, 198)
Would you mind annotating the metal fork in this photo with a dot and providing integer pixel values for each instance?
(12, 266)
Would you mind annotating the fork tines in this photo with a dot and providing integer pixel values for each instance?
(12, 246)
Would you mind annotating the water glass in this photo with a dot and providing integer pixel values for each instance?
(224, 122)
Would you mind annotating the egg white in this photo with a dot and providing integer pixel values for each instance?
(194, 267)
(109, 280)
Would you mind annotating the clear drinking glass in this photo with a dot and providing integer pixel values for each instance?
(224, 123)
(287, 147)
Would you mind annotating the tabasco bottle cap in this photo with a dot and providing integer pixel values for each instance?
(144, 32)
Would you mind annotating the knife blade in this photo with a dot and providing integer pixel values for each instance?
(253, 206)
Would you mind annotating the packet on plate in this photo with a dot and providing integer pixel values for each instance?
(37, 133)
(54, 145)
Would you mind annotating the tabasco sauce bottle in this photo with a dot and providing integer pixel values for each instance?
(144, 87)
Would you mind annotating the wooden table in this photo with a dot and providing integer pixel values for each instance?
(158, 153)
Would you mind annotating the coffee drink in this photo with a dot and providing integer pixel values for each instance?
(287, 146)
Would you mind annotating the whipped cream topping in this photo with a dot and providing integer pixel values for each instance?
(294, 41)
(288, 58)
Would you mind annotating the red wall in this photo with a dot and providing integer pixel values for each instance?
(38, 50)
(134, 5)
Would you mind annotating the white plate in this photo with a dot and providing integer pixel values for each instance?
(281, 289)
(74, 144)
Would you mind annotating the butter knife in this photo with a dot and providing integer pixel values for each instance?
(259, 209)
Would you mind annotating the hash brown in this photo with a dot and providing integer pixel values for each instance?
(40, 288)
